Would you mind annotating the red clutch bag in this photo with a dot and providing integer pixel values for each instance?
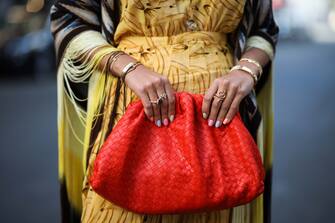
(185, 167)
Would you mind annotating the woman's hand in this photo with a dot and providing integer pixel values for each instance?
(236, 85)
(148, 86)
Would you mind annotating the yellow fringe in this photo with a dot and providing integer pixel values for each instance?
(75, 124)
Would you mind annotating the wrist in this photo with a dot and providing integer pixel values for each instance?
(120, 63)
(251, 66)
(247, 71)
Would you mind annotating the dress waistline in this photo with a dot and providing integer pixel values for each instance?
(137, 43)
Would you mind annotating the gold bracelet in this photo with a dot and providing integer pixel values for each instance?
(255, 63)
(112, 58)
(129, 67)
(247, 70)
(115, 55)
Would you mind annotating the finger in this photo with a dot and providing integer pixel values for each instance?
(163, 105)
(207, 100)
(148, 110)
(234, 108)
(223, 85)
(156, 107)
(171, 101)
(225, 106)
(214, 110)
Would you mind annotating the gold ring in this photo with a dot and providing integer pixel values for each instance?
(155, 101)
(221, 95)
(159, 99)
(162, 96)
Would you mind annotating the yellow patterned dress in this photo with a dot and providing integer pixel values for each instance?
(187, 42)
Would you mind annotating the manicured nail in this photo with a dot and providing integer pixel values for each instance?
(225, 121)
(166, 122)
(210, 122)
(158, 123)
(204, 115)
(171, 118)
(218, 124)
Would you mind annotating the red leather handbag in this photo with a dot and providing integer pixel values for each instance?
(185, 167)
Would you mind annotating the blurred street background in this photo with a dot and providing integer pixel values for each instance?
(304, 155)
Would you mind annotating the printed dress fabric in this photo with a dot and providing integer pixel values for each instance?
(190, 42)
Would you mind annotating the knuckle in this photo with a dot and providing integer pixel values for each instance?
(215, 105)
(225, 81)
(157, 81)
(241, 92)
(148, 86)
(217, 80)
(164, 79)
(146, 106)
(207, 97)
(244, 90)
(142, 89)
(234, 108)
(234, 85)
(224, 107)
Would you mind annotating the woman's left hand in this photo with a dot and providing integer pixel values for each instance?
(235, 85)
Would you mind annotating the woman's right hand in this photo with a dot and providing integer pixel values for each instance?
(148, 85)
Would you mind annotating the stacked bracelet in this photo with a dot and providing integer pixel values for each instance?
(247, 70)
(129, 67)
(113, 57)
(255, 63)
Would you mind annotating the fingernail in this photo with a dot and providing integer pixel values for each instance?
(204, 115)
(166, 122)
(210, 122)
(218, 124)
(225, 121)
(171, 118)
(158, 123)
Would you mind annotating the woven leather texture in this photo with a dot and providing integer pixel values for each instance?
(185, 167)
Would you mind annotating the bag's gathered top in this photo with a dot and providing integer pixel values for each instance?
(185, 167)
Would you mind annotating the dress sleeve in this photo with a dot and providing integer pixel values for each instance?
(77, 30)
(71, 19)
(264, 31)
(260, 43)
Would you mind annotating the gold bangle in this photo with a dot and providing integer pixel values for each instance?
(247, 70)
(114, 57)
(129, 67)
(255, 63)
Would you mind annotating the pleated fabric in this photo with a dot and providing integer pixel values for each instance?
(156, 34)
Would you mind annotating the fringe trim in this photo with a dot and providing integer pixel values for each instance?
(80, 65)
